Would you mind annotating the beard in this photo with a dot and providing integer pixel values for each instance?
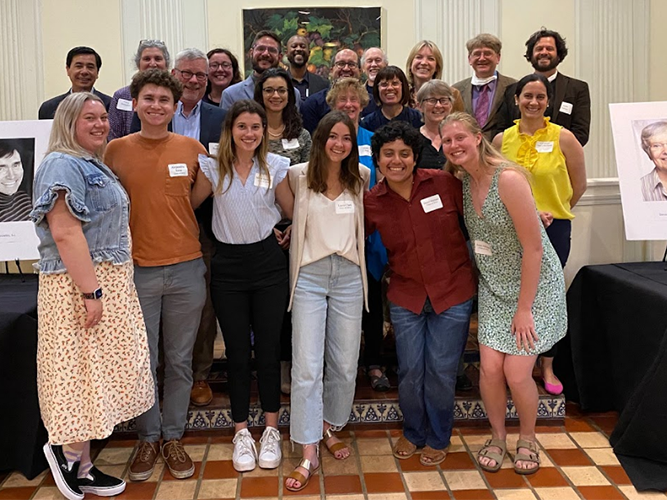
(553, 63)
(298, 64)
(259, 69)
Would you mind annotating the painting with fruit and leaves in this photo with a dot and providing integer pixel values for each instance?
(326, 29)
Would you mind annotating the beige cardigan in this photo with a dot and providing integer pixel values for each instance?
(299, 183)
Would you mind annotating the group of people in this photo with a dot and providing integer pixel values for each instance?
(277, 213)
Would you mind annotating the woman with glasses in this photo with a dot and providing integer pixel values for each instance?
(392, 94)
(435, 102)
(223, 71)
(150, 54)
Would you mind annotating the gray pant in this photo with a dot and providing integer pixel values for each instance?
(174, 294)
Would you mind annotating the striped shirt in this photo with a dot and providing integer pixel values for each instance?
(652, 187)
(15, 207)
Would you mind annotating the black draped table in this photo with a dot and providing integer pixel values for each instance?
(22, 433)
(615, 358)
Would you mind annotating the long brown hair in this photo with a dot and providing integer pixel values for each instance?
(227, 150)
(350, 178)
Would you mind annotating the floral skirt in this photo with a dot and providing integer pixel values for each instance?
(89, 380)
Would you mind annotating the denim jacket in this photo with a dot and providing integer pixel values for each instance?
(94, 196)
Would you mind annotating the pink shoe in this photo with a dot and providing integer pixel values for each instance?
(555, 389)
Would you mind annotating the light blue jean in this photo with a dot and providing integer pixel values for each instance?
(428, 347)
(326, 322)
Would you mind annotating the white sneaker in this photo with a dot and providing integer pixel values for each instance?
(245, 452)
(269, 451)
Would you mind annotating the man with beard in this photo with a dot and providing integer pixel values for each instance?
(304, 81)
(266, 53)
(571, 103)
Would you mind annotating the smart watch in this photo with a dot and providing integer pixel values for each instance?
(94, 295)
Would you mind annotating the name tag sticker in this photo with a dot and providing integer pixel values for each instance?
(482, 248)
(566, 107)
(213, 148)
(178, 170)
(291, 144)
(263, 181)
(344, 207)
(365, 150)
(544, 146)
(124, 105)
(431, 203)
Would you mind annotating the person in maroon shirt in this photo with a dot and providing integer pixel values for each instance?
(417, 213)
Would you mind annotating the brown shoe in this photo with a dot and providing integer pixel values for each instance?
(144, 461)
(179, 462)
(201, 394)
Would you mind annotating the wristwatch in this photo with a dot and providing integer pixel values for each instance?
(94, 295)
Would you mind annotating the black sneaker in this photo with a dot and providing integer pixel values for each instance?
(65, 477)
(101, 484)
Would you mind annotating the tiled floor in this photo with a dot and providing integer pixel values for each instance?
(577, 464)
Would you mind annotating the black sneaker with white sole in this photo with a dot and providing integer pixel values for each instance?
(101, 484)
(63, 474)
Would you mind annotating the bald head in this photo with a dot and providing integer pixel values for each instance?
(298, 51)
(346, 64)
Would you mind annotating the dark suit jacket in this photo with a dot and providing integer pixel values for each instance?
(491, 125)
(315, 84)
(566, 90)
(48, 108)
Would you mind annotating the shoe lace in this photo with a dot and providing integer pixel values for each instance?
(245, 443)
(270, 440)
(175, 451)
(145, 451)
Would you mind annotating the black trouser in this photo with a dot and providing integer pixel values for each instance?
(249, 287)
(372, 323)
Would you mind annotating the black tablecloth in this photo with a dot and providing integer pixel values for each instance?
(22, 433)
(615, 358)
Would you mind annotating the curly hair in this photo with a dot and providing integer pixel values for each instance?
(561, 48)
(393, 131)
(159, 77)
(291, 116)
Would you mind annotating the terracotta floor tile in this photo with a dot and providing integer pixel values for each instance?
(114, 456)
(555, 441)
(548, 429)
(138, 491)
(505, 478)
(220, 451)
(176, 490)
(121, 443)
(476, 441)
(464, 480)
(378, 463)
(219, 469)
(413, 464)
(195, 440)
(383, 482)
(547, 477)
(616, 474)
(472, 431)
(590, 439)
(168, 477)
(333, 467)
(585, 476)
(429, 495)
(370, 434)
(562, 493)
(633, 494)
(602, 456)
(387, 496)
(18, 480)
(600, 493)
(523, 494)
(342, 484)
(48, 493)
(569, 457)
(577, 424)
(424, 481)
(374, 446)
(217, 488)
(473, 495)
(196, 451)
(259, 487)
(606, 423)
(17, 493)
(457, 461)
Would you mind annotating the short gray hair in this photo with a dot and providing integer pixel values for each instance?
(384, 55)
(189, 55)
(434, 87)
(649, 131)
(150, 44)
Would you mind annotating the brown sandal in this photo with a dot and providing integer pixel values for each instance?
(493, 455)
(533, 456)
(336, 447)
(403, 448)
(432, 457)
(295, 474)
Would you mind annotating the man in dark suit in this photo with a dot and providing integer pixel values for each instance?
(483, 93)
(307, 83)
(571, 103)
(83, 68)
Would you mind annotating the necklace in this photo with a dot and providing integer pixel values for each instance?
(278, 134)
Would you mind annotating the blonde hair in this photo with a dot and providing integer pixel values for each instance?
(227, 150)
(63, 132)
(345, 85)
(436, 53)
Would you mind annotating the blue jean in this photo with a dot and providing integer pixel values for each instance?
(174, 294)
(326, 323)
(428, 347)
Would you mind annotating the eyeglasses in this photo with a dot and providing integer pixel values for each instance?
(342, 64)
(264, 48)
(443, 101)
(225, 65)
(268, 91)
(150, 41)
(189, 74)
(394, 83)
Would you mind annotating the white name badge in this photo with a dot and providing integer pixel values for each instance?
(178, 170)
(544, 146)
(124, 105)
(213, 148)
(365, 150)
(263, 181)
(482, 248)
(291, 144)
(566, 107)
(431, 203)
(344, 207)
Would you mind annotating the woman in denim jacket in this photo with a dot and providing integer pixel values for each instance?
(93, 368)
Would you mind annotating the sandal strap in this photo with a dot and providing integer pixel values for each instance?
(493, 455)
(533, 456)
(297, 476)
(328, 434)
(306, 464)
(529, 445)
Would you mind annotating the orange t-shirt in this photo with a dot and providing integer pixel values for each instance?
(158, 176)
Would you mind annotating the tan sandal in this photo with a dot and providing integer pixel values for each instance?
(296, 475)
(493, 455)
(533, 456)
(336, 447)
(403, 448)
(431, 456)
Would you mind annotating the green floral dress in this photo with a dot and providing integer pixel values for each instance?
(498, 255)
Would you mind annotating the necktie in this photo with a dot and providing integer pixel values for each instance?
(483, 102)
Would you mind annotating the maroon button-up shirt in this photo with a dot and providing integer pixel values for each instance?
(425, 244)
